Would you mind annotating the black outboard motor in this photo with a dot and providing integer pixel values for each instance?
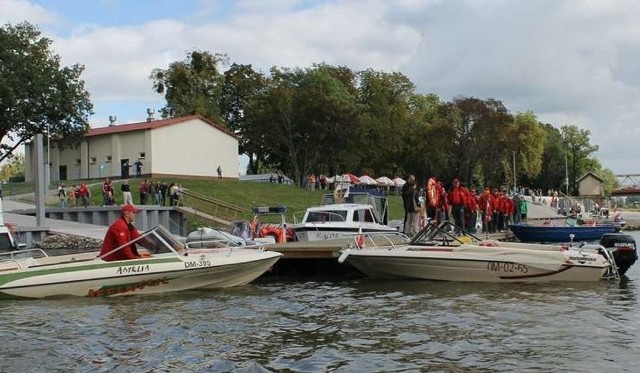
(623, 249)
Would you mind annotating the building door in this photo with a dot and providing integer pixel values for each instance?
(62, 172)
(124, 168)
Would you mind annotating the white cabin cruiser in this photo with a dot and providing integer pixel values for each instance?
(437, 254)
(339, 220)
(170, 267)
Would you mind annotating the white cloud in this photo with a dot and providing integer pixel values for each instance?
(14, 11)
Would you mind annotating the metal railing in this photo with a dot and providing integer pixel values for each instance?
(212, 208)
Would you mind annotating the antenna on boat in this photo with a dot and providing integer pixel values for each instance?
(571, 237)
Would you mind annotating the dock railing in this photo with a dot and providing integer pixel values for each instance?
(213, 209)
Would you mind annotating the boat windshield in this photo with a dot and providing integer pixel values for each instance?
(159, 240)
(444, 233)
(326, 216)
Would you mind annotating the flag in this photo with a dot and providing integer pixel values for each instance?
(360, 238)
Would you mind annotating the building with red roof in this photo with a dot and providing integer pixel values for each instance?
(188, 146)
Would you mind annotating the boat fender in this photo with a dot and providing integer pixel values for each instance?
(343, 256)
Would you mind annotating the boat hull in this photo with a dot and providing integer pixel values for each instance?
(160, 274)
(446, 265)
(550, 233)
(311, 232)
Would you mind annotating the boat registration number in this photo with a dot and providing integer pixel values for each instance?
(508, 267)
(197, 264)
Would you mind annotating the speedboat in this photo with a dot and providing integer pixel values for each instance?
(439, 253)
(339, 220)
(167, 266)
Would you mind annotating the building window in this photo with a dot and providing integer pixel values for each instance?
(92, 160)
(108, 160)
(78, 161)
(142, 155)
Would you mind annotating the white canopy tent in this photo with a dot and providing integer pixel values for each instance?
(367, 180)
(398, 181)
(385, 181)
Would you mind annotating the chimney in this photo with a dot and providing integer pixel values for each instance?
(112, 120)
(150, 112)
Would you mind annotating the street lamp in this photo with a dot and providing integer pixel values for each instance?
(48, 175)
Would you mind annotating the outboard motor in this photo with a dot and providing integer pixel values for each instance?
(623, 249)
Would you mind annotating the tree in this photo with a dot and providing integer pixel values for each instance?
(384, 99)
(579, 150)
(13, 169)
(37, 94)
(192, 86)
(241, 86)
(527, 141)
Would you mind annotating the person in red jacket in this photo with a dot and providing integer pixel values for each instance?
(457, 199)
(472, 211)
(486, 204)
(118, 234)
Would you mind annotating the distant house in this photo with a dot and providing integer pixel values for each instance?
(590, 185)
(189, 146)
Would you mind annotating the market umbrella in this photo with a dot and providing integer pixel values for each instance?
(385, 181)
(398, 181)
(367, 180)
(353, 179)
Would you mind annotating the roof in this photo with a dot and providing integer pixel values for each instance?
(140, 126)
(590, 174)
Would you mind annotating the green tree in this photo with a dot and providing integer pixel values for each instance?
(384, 99)
(241, 85)
(37, 94)
(13, 168)
(552, 170)
(579, 151)
(528, 139)
(306, 119)
(192, 86)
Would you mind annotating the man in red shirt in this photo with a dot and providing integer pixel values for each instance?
(118, 234)
(457, 199)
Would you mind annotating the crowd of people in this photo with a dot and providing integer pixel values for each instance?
(149, 192)
(492, 210)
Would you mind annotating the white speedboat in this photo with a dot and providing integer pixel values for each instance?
(450, 258)
(339, 220)
(169, 267)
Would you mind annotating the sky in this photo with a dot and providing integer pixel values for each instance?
(570, 62)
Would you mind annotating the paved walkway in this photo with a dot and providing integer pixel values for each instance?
(54, 225)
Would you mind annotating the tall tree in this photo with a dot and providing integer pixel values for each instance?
(241, 85)
(192, 86)
(527, 139)
(552, 171)
(384, 99)
(37, 94)
(579, 150)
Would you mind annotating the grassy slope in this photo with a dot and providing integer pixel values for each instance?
(248, 194)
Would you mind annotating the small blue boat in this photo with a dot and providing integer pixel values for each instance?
(560, 233)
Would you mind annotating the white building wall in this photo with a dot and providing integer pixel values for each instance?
(194, 148)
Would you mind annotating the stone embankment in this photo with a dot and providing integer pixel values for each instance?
(62, 244)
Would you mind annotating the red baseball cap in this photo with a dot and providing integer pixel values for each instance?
(129, 208)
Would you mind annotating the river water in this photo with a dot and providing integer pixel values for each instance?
(356, 325)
